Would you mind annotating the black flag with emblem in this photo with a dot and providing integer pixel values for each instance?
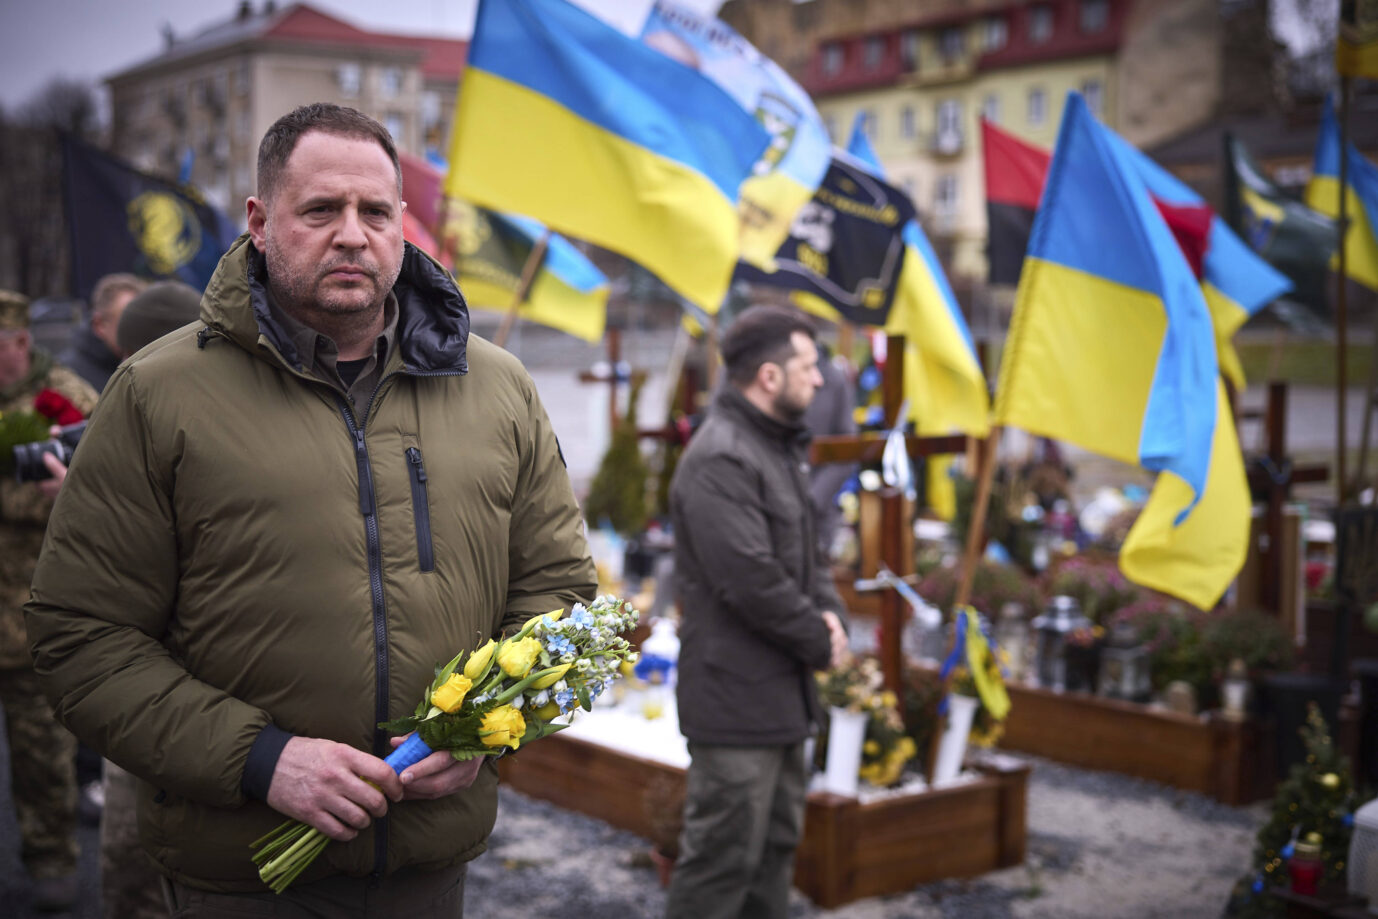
(846, 245)
(121, 219)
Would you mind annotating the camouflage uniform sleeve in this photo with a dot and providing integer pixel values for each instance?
(24, 503)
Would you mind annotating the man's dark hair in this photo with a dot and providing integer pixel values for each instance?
(277, 145)
(761, 335)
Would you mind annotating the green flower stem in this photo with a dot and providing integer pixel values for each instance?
(515, 690)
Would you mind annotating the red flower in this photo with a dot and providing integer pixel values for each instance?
(56, 407)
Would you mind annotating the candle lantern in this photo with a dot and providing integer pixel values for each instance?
(1124, 669)
(1235, 691)
(1059, 619)
(1012, 637)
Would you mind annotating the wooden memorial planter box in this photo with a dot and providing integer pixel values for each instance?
(1230, 761)
(850, 849)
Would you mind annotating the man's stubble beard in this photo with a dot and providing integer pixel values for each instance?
(302, 297)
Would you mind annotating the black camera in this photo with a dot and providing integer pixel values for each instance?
(28, 458)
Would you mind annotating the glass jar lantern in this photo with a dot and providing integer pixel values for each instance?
(1059, 619)
(1124, 670)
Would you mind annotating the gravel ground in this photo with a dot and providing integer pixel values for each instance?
(1099, 845)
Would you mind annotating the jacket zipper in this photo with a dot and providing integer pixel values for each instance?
(368, 507)
(421, 509)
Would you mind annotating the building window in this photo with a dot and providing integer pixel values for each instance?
(394, 122)
(1095, 14)
(951, 43)
(873, 54)
(945, 198)
(241, 77)
(990, 109)
(390, 82)
(832, 60)
(430, 108)
(350, 78)
(1091, 92)
(909, 49)
(1038, 107)
(867, 123)
(907, 127)
(948, 135)
(1040, 24)
(995, 33)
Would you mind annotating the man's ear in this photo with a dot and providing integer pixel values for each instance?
(768, 377)
(258, 221)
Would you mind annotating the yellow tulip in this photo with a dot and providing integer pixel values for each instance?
(547, 711)
(516, 657)
(450, 695)
(503, 726)
(552, 677)
(476, 667)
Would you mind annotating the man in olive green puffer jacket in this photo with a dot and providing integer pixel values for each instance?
(279, 520)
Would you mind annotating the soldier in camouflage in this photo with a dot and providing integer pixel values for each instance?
(41, 751)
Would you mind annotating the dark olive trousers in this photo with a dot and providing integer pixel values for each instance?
(743, 817)
(413, 894)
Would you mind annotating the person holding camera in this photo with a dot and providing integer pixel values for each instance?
(41, 750)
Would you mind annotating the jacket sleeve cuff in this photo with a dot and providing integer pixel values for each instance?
(263, 761)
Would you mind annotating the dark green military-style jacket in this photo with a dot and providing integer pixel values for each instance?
(236, 555)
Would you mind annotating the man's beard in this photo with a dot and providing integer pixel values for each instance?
(788, 408)
(298, 294)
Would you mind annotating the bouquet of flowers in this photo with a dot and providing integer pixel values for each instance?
(50, 407)
(506, 694)
(857, 685)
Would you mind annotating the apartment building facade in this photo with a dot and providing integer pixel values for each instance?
(921, 75)
(203, 104)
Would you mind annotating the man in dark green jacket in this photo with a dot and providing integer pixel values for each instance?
(760, 616)
(275, 526)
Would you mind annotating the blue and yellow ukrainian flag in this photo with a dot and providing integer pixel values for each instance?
(567, 292)
(793, 165)
(567, 120)
(1361, 204)
(1236, 281)
(1111, 347)
(944, 383)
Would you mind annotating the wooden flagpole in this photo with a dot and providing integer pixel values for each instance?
(985, 469)
(533, 262)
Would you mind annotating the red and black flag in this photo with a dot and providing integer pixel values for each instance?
(1014, 182)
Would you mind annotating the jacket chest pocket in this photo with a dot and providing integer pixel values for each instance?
(421, 508)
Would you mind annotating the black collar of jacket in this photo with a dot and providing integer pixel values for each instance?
(432, 317)
(731, 401)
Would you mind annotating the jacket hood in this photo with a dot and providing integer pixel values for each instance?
(432, 317)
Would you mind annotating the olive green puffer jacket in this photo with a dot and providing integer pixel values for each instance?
(235, 555)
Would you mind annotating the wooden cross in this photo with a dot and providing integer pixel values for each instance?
(868, 447)
(612, 340)
(1271, 478)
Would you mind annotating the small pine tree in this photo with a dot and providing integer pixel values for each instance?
(618, 491)
(1316, 797)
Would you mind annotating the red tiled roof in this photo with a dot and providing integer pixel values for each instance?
(440, 57)
(1066, 41)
